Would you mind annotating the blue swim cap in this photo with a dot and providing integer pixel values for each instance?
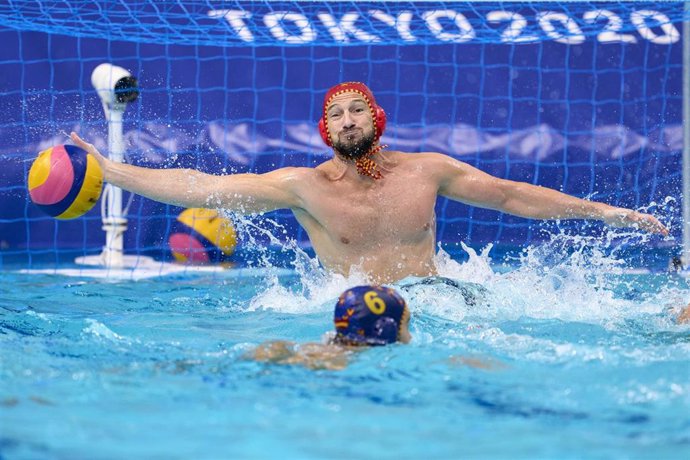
(369, 315)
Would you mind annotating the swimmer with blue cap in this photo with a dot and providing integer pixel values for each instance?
(364, 316)
(371, 315)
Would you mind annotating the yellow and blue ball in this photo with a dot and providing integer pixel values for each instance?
(65, 181)
(202, 236)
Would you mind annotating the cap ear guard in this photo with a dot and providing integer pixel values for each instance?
(323, 130)
(380, 120)
(386, 330)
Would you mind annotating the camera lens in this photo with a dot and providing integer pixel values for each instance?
(126, 89)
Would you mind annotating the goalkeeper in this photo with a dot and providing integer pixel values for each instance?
(367, 209)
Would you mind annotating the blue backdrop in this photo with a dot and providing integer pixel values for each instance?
(589, 118)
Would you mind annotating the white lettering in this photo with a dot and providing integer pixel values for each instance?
(512, 33)
(274, 23)
(339, 31)
(432, 20)
(236, 20)
(447, 25)
(546, 20)
(401, 24)
(613, 25)
(671, 34)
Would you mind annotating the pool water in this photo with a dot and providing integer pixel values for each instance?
(563, 356)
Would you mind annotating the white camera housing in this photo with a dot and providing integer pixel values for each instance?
(115, 86)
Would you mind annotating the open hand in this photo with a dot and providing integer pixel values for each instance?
(621, 217)
(90, 149)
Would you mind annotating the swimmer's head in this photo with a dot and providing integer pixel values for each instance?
(371, 315)
(378, 115)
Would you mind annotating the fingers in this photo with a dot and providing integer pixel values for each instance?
(90, 148)
(621, 217)
(102, 161)
(81, 143)
(648, 223)
(660, 228)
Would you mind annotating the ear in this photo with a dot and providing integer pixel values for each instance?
(323, 130)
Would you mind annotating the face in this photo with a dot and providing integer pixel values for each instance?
(350, 125)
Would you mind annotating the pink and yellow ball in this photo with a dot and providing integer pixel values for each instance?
(202, 236)
(65, 181)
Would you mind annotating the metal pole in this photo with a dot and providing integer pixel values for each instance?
(114, 223)
(686, 137)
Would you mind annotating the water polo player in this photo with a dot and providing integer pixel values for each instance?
(367, 209)
(371, 315)
(364, 316)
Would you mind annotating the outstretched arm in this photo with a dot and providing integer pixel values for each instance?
(247, 193)
(309, 355)
(462, 182)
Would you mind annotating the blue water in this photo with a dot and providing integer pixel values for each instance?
(577, 359)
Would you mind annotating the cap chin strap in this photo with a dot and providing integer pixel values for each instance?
(368, 167)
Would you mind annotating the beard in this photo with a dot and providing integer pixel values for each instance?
(356, 150)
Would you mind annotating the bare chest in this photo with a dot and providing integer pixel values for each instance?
(394, 210)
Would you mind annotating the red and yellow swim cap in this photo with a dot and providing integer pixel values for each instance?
(377, 113)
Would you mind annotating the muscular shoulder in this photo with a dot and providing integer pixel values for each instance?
(292, 177)
(291, 173)
(434, 159)
(432, 164)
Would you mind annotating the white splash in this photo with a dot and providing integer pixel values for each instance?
(100, 330)
(569, 277)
